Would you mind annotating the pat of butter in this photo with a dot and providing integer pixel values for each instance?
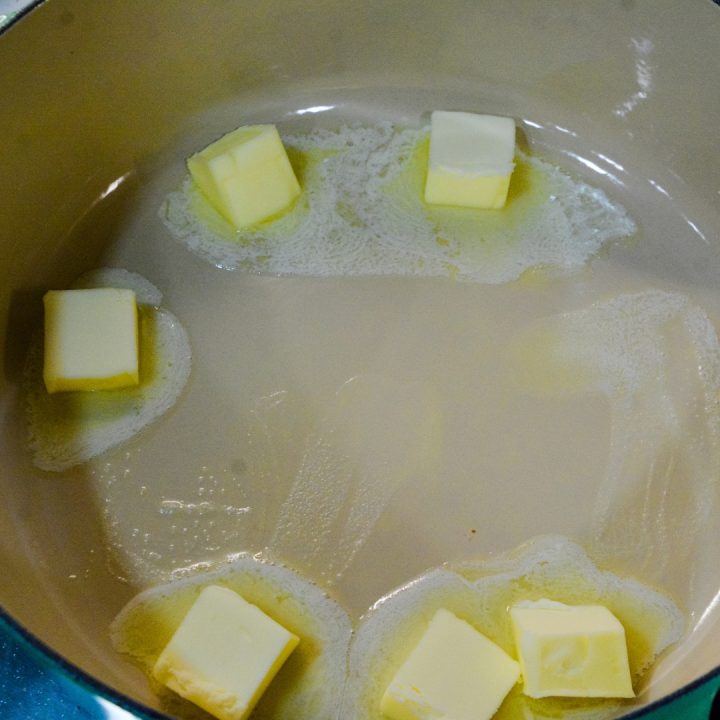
(91, 339)
(246, 175)
(471, 159)
(571, 650)
(454, 673)
(224, 654)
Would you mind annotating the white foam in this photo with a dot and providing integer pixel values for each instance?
(376, 434)
(359, 215)
(311, 681)
(481, 592)
(66, 429)
(655, 356)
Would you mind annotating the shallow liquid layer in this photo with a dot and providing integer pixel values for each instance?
(362, 213)
(311, 680)
(339, 673)
(481, 593)
(476, 451)
(67, 429)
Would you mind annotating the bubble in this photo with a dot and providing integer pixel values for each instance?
(481, 592)
(377, 433)
(312, 679)
(66, 429)
(655, 356)
(362, 213)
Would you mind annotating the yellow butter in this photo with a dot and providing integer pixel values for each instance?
(471, 159)
(454, 673)
(571, 651)
(224, 654)
(91, 339)
(246, 175)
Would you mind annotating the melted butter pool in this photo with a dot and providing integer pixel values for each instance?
(70, 428)
(481, 592)
(311, 680)
(337, 673)
(346, 310)
(362, 213)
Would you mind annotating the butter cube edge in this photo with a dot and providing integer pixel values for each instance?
(471, 160)
(571, 650)
(246, 175)
(90, 339)
(224, 654)
(453, 671)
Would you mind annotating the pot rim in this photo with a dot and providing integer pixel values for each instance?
(704, 689)
(707, 686)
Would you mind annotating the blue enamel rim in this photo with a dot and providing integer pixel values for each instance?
(41, 652)
(31, 5)
(47, 655)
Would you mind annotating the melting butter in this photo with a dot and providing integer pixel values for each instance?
(338, 672)
(312, 678)
(482, 592)
(362, 213)
(67, 429)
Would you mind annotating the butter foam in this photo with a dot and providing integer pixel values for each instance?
(481, 592)
(655, 357)
(311, 681)
(362, 214)
(66, 429)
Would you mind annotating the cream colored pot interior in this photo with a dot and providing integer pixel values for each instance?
(102, 103)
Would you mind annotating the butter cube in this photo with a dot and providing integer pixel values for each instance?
(454, 673)
(571, 651)
(246, 175)
(224, 654)
(91, 339)
(471, 159)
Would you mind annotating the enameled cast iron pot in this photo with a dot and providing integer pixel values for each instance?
(97, 96)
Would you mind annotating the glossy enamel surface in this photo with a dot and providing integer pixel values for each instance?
(108, 99)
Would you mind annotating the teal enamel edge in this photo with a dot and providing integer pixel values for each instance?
(72, 691)
(39, 684)
(693, 702)
(87, 698)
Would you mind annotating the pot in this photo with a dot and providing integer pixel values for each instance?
(103, 103)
